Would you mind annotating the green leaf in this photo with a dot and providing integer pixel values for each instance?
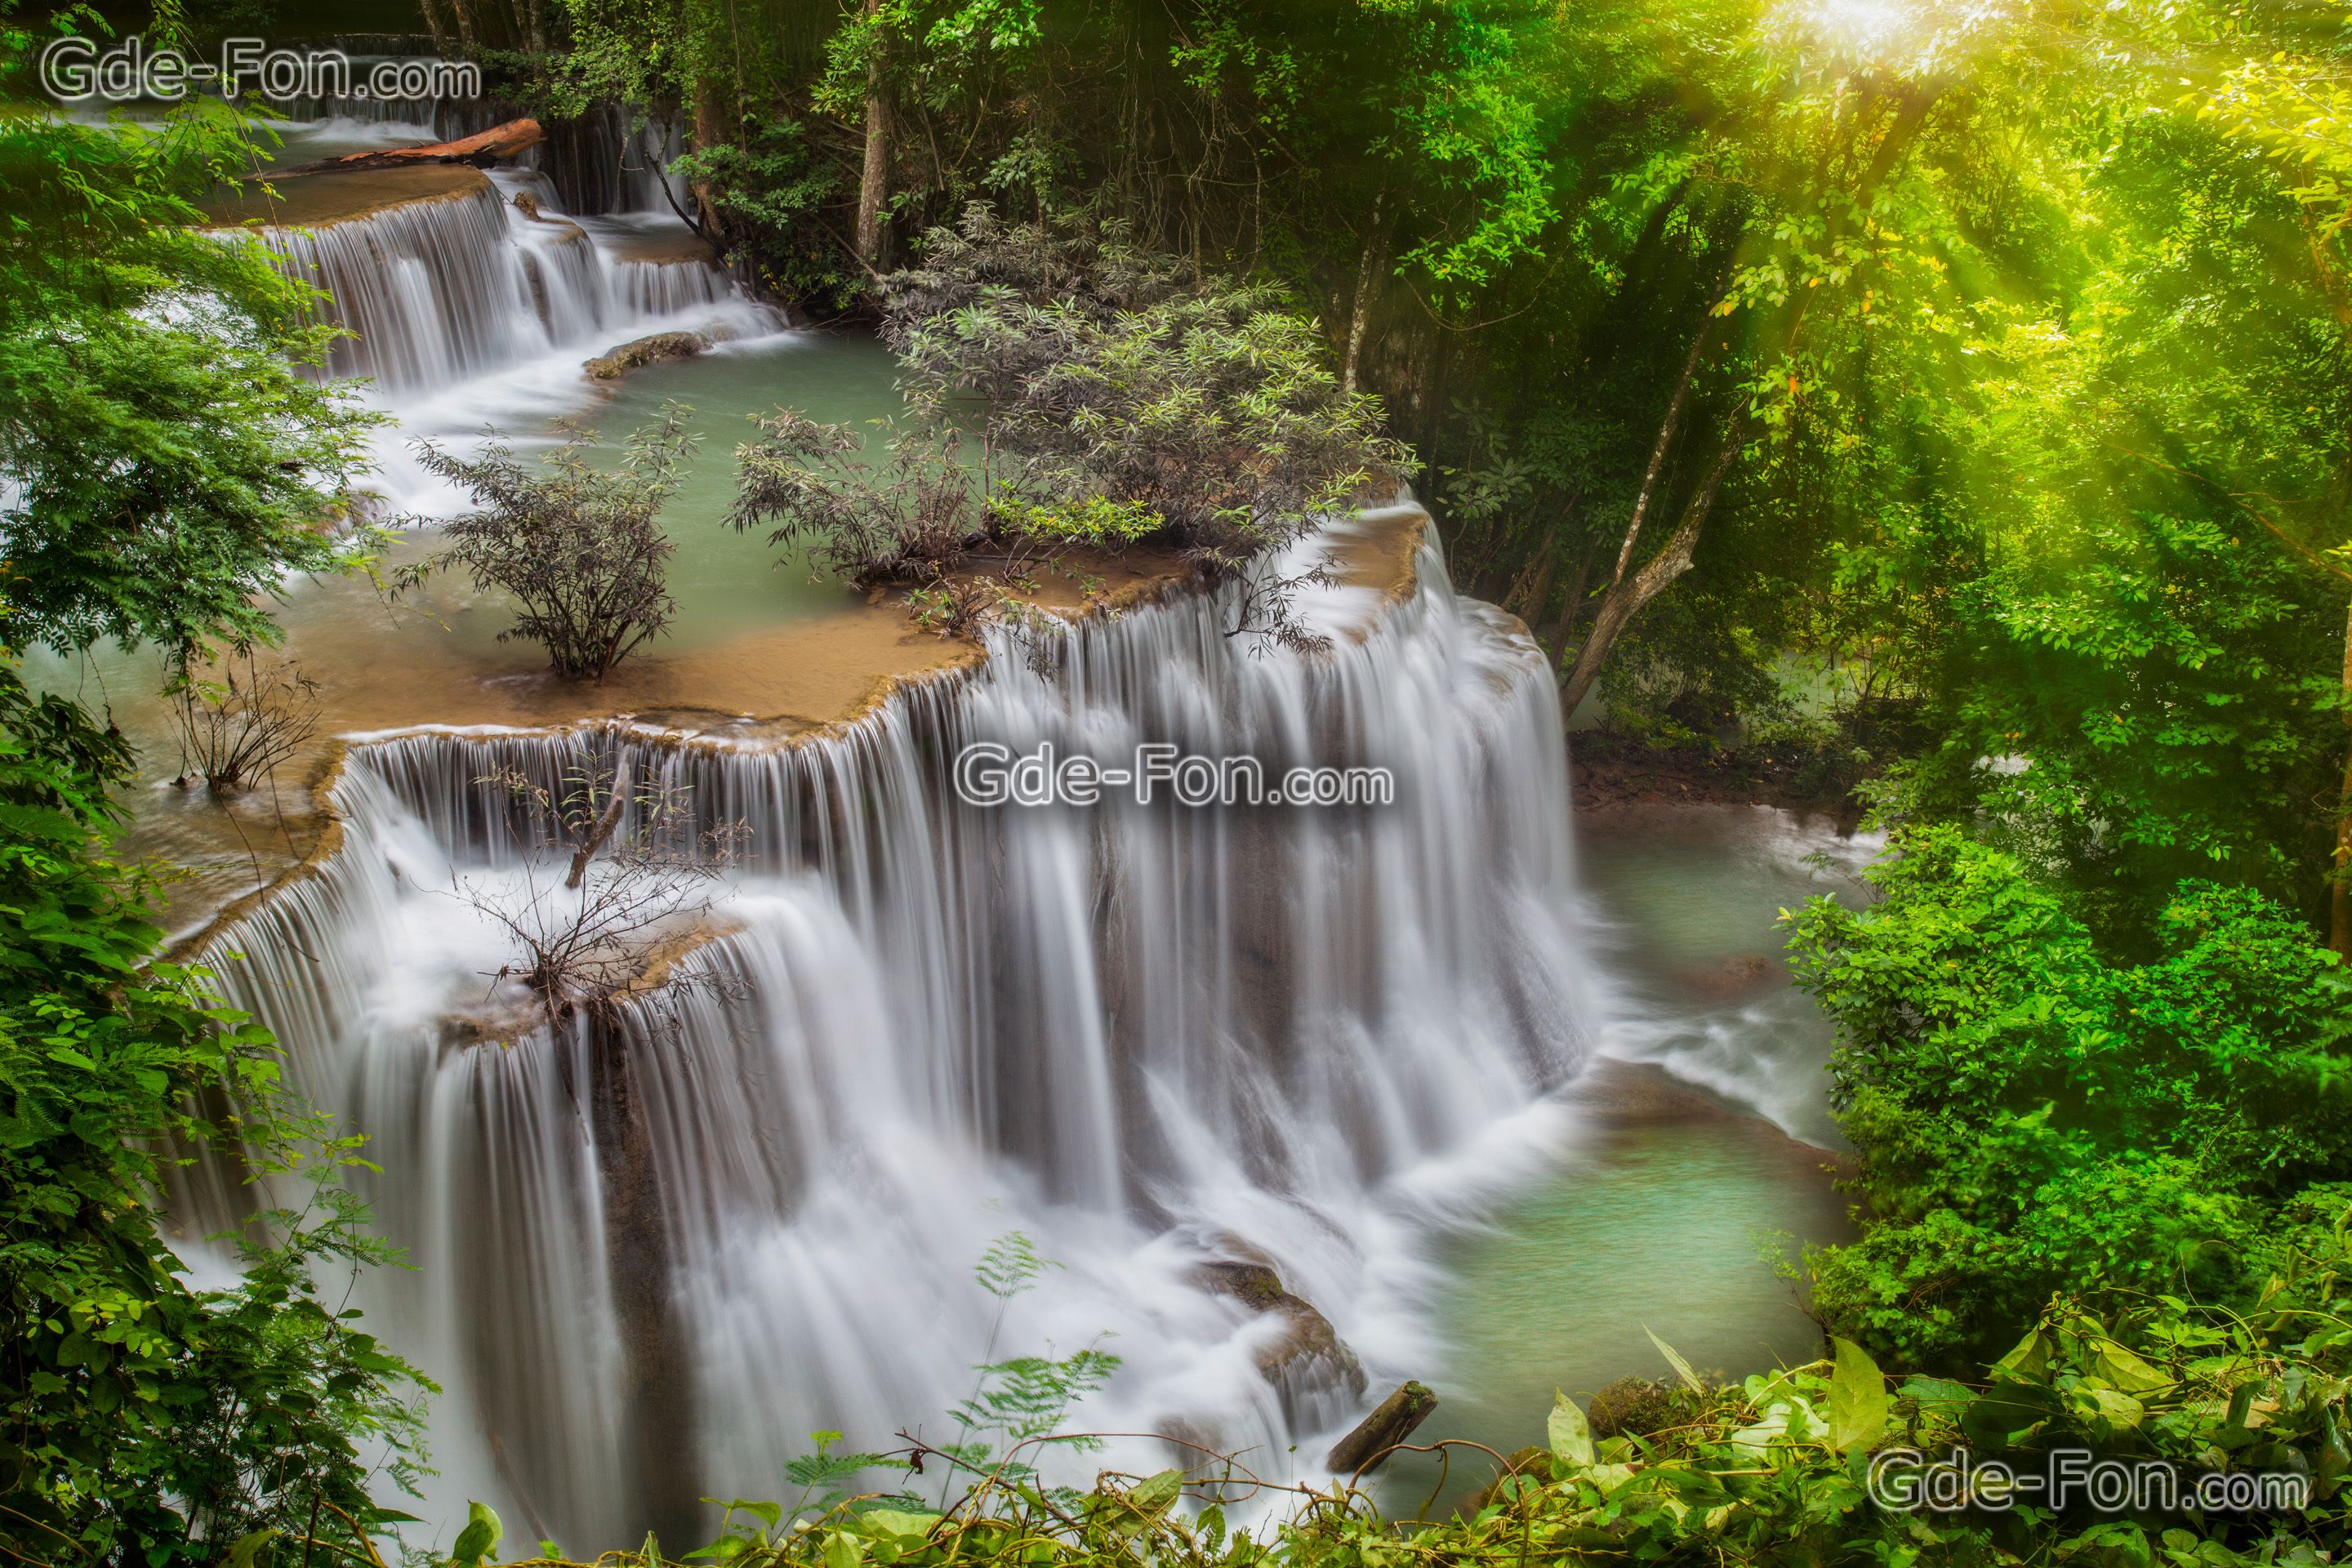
(843, 1550)
(771, 1514)
(481, 1536)
(1858, 1401)
(1569, 1433)
(1154, 1493)
(897, 1521)
(1674, 1359)
(242, 1552)
(2028, 1359)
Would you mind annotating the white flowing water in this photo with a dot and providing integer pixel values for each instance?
(465, 312)
(653, 1259)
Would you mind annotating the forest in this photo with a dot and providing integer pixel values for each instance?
(1933, 412)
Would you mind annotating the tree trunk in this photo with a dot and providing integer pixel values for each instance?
(436, 27)
(2339, 892)
(1627, 595)
(1553, 633)
(872, 179)
(1360, 312)
(709, 130)
(1617, 605)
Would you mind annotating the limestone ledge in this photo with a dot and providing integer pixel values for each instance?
(889, 654)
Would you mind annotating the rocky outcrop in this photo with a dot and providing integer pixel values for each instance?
(1307, 1357)
(647, 350)
(527, 204)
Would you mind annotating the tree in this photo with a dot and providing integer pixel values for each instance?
(639, 874)
(170, 458)
(581, 547)
(911, 521)
(1111, 372)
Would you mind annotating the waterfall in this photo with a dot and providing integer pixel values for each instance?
(654, 1255)
(433, 290)
(449, 288)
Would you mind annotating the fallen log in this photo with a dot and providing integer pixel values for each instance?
(1367, 1448)
(481, 150)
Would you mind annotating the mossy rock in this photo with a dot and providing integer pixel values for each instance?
(1632, 1407)
(645, 351)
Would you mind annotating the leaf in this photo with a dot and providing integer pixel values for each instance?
(2127, 1371)
(241, 1553)
(843, 1550)
(1674, 1359)
(2027, 1361)
(1155, 1492)
(1569, 1433)
(897, 1521)
(768, 1513)
(1858, 1401)
(481, 1536)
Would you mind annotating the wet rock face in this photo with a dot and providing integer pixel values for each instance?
(1733, 979)
(1308, 1361)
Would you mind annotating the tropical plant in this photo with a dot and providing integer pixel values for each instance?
(171, 453)
(147, 1419)
(580, 547)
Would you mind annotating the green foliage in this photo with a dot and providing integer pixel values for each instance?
(145, 1418)
(580, 547)
(1096, 522)
(170, 459)
(2031, 1115)
(771, 191)
(1206, 405)
(810, 484)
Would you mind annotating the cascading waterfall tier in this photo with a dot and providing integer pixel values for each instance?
(443, 290)
(655, 1253)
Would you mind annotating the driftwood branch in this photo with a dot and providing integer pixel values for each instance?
(482, 149)
(1377, 1434)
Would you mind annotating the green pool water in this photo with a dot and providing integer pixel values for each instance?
(1673, 1194)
